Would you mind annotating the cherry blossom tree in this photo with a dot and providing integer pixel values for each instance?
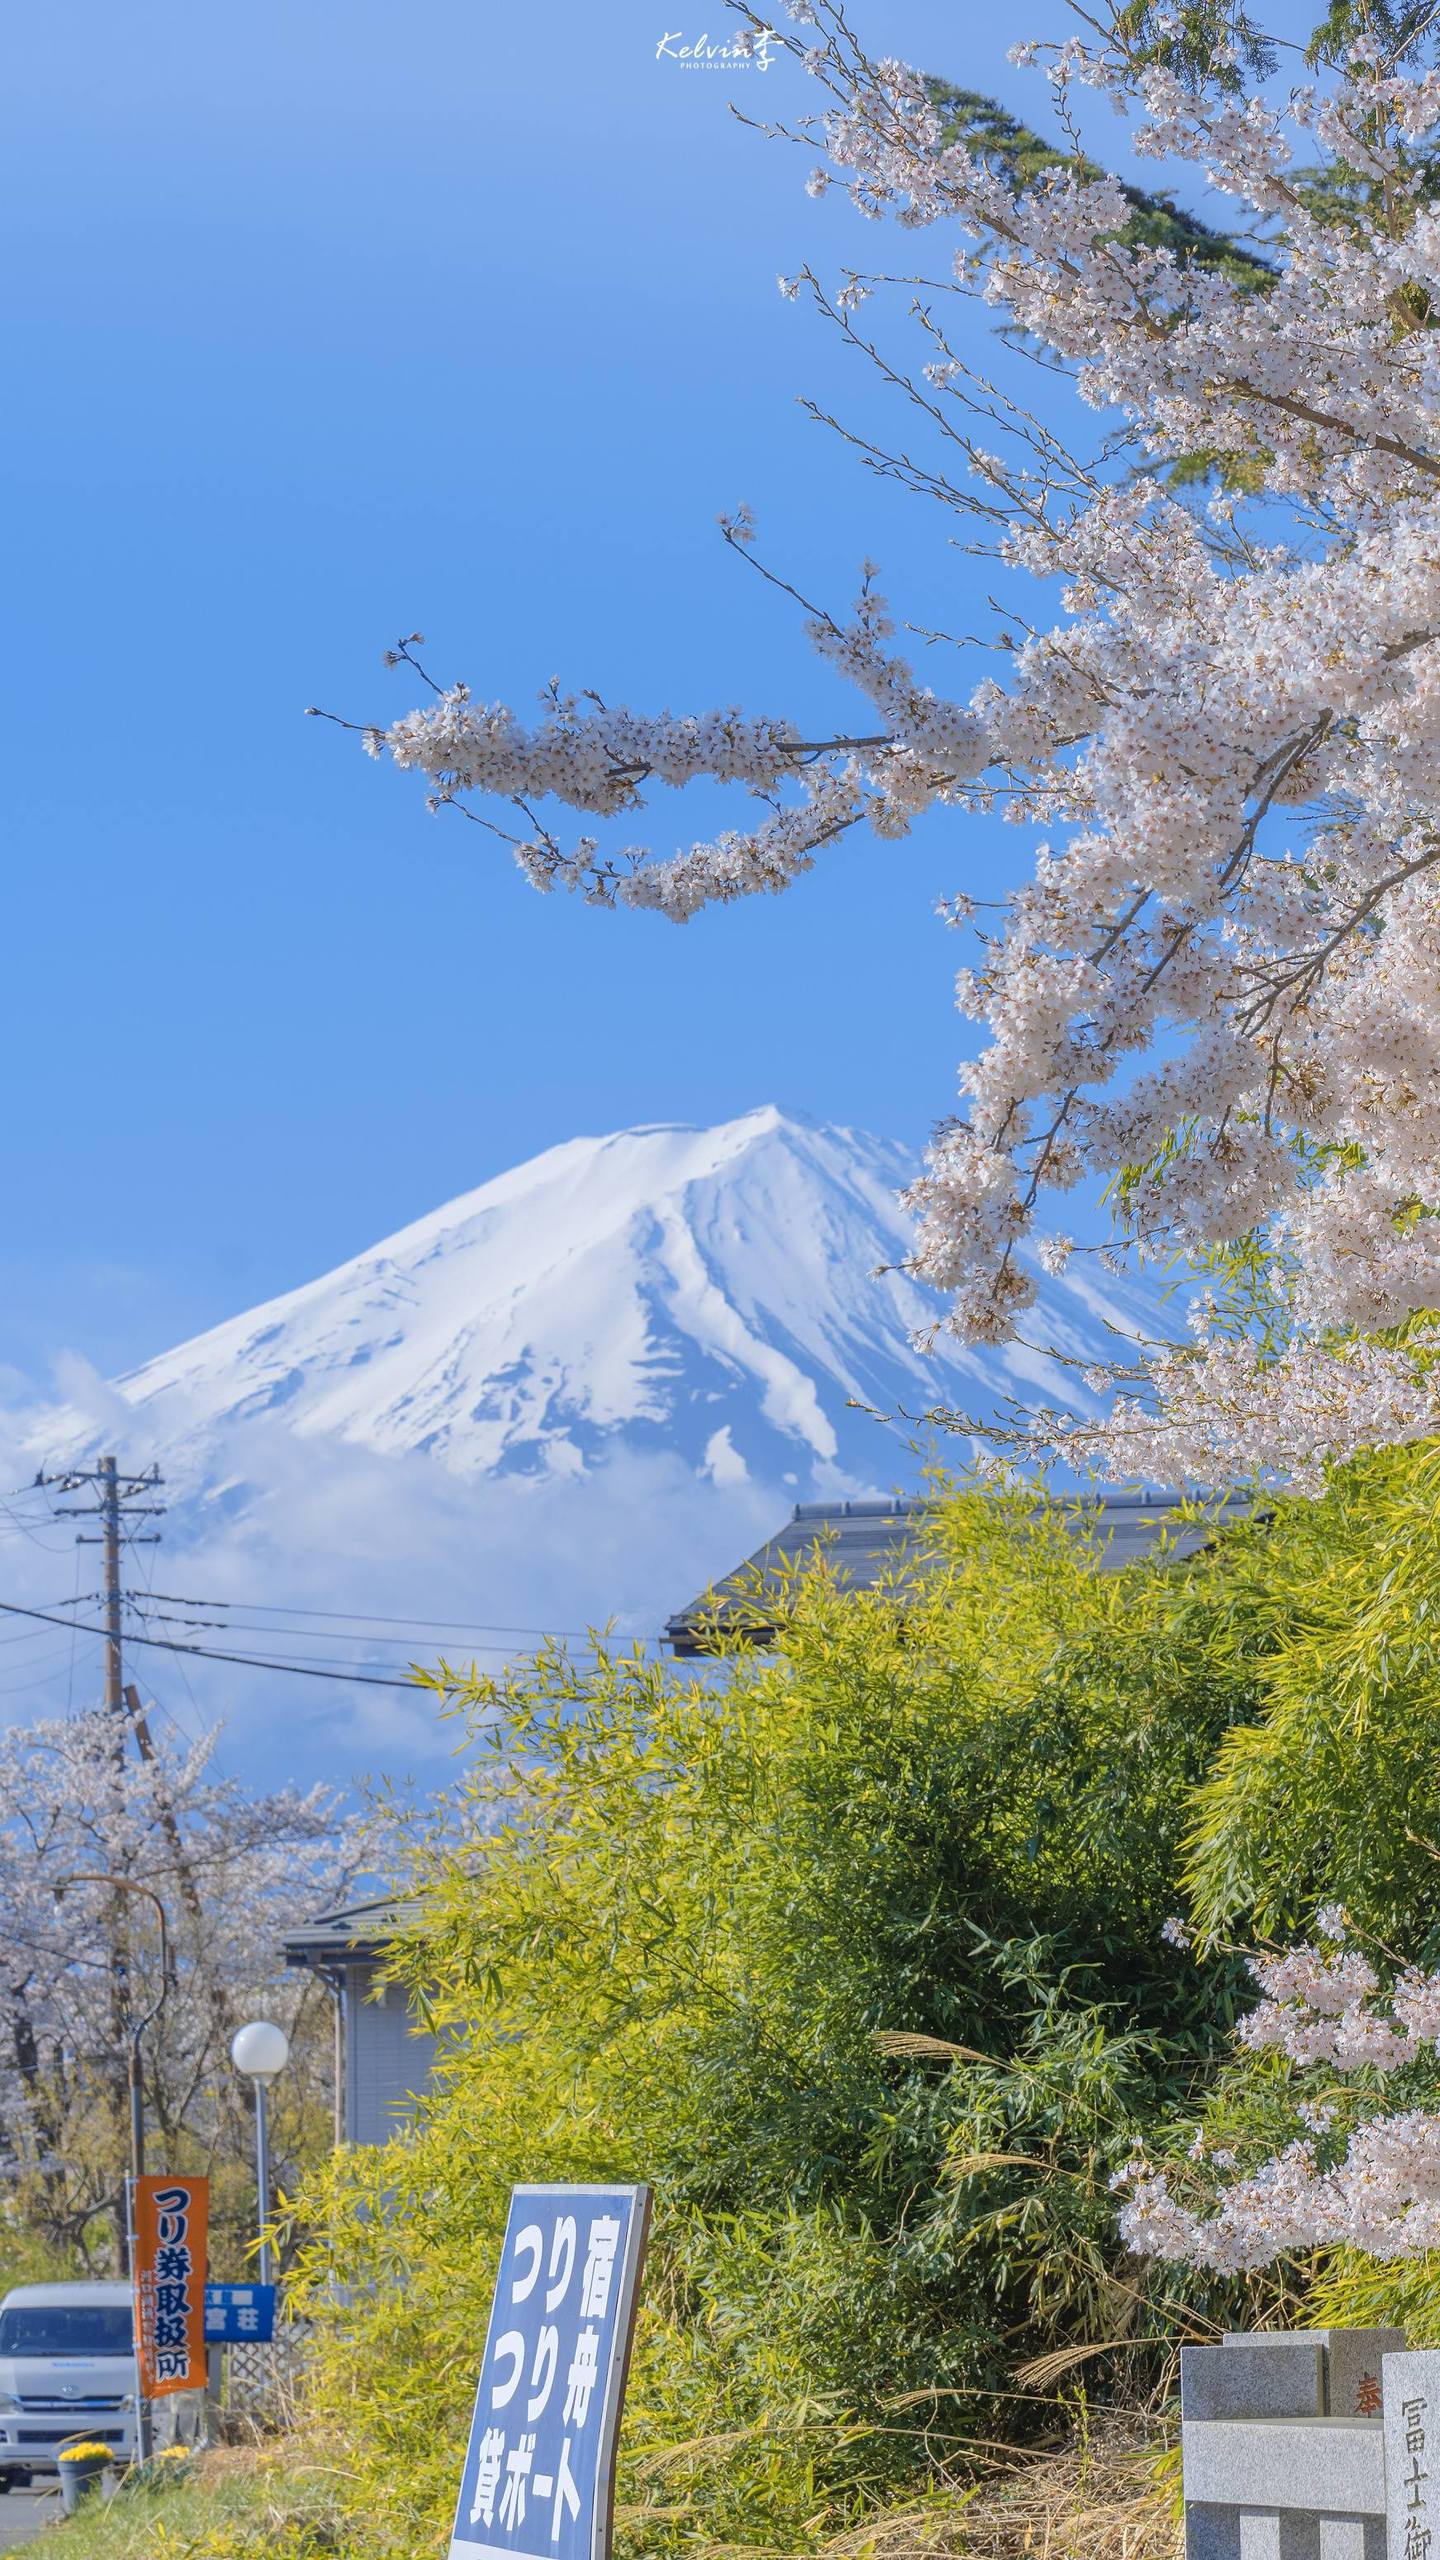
(1356, 2175)
(81, 1961)
(1214, 698)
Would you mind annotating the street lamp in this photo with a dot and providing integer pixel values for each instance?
(261, 2052)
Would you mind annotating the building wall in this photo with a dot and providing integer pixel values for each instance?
(387, 2061)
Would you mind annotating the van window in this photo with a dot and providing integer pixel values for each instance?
(66, 2329)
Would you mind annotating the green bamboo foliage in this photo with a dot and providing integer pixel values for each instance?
(1333, 1791)
(856, 1954)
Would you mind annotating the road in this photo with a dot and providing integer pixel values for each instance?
(23, 2512)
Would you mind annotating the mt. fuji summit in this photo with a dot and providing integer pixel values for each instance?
(720, 1295)
(571, 1397)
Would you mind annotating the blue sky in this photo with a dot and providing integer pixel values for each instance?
(325, 322)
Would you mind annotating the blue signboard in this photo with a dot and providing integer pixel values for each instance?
(539, 2474)
(239, 2312)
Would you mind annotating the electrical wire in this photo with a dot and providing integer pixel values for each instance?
(327, 1630)
(337, 1648)
(42, 1662)
(212, 1653)
(361, 1617)
(30, 1638)
(203, 1731)
(296, 1652)
(74, 1640)
(46, 1545)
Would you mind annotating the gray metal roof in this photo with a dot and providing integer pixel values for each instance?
(864, 1543)
(362, 1930)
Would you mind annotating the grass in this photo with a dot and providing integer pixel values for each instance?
(1102, 2496)
(1099, 2498)
(275, 2503)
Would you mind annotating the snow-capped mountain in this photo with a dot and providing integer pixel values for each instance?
(720, 1295)
(570, 1398)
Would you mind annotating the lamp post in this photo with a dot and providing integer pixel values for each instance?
(137, 2023)
(261, 2052)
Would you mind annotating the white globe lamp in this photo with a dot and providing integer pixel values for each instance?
(260, 2051)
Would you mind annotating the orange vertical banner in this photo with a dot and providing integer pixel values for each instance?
(172, 2218)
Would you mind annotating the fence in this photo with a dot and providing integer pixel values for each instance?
(254, 2388)
(1310, 2445)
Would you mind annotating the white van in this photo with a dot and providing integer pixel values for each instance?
(67, 2369)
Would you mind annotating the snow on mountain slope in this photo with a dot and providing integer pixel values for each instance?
(571, 1398)
(710, 1293)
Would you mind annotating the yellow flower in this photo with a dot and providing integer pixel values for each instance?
(85, 2453)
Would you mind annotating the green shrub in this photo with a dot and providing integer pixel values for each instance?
(688, 1916)
(1330, 1794)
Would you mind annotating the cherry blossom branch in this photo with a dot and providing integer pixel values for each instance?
(1221, 980)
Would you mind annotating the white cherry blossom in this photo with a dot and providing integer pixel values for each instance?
(1322, 2007)
(1223, 718)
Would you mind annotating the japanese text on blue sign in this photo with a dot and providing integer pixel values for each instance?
(236, 2312)
(539, 2470)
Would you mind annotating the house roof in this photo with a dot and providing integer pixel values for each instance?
(864, 1543)
(359, 1932)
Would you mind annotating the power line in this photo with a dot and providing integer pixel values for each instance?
(16, 1645)
(204, 1731)
(211, 1653)
(41, 1663)
(366, 1618)
(119, 1501)
(74, 1639)
(27, 1639)
(376, 1643)
(47, 1546)
(302, 1651)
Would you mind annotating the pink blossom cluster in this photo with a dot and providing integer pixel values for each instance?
(1226, 718)
(1322, 2006)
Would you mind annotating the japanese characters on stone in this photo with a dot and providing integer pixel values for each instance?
(1411, 2385)
(539, 2470)
(1414, 2523)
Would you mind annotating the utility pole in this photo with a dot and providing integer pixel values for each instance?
(110, 1539)
(118, 1502)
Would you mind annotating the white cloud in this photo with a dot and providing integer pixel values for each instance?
(723, 1461)
(314, 1525)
